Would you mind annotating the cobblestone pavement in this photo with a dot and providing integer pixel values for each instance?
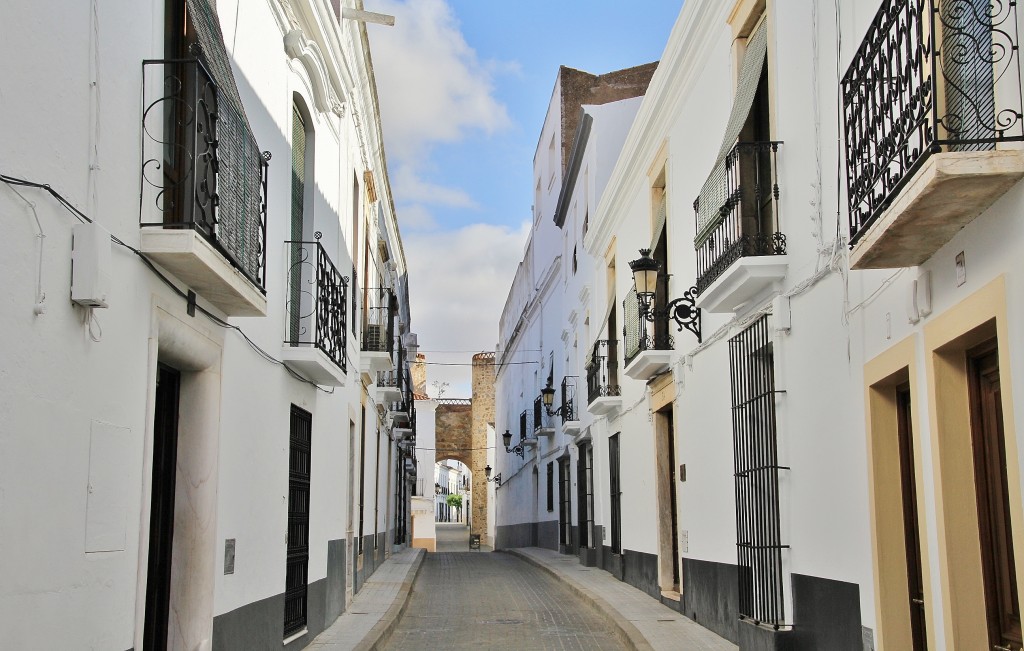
(496, 601)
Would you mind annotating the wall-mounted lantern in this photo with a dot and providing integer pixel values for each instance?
(683, 310)
(507, 439)
(497, 478)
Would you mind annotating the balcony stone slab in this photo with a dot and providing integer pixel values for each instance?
(649, 363)
(604, 405)
(373, 362)
(946, 194)
(310, 362)
(745, 280)
(571, 427)
(190, 257)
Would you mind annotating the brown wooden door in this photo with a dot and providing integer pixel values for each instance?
(911, 523)
(1001, 599)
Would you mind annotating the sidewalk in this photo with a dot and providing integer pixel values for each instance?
(647, 623)
(376, 608)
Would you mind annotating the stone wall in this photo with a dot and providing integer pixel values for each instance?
(483, 415)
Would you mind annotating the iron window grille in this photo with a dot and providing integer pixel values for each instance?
(551, 486)
(296, 574)
(746, 222)
(564, 504)
(202, 168)
(524, 433)
(317, 301)
(602, 371)
(615, 488)
(758, 526)
(930, 76)
(585, 483)
(568, 395)
(379, 321)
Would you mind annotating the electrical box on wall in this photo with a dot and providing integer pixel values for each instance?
(90, 265)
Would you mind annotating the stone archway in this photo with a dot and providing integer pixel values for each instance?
(460, 429)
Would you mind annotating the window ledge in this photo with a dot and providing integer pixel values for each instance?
(949, 191)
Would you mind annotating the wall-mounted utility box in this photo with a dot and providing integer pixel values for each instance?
(90, 265)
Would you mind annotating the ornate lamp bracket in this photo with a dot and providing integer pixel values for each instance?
(685, 313)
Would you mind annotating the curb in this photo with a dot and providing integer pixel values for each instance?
(381, 631)
(628, 632)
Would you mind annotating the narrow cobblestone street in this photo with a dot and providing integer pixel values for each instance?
(481, 600)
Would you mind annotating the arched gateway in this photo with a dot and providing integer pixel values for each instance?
(460, 426)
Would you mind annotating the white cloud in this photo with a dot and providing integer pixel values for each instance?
(433, 87)
(458, 284)
(415, 217)
(410, 187)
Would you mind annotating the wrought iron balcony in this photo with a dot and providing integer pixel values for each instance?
(378, 331)
(527, 438)
(316, 313)
(389, 385)
(379, 314)
(646, 329)
(738, 211)
(602, 377)
(204, 179)
(570, 412)
(543, 425)
(932, 92)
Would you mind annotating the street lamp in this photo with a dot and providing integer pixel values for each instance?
(497, 478)
(547, 395)
(507, 438)
(683, 310)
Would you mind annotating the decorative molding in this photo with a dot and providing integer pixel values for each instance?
(308, 54)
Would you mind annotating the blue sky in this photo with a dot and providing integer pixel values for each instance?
(464, 86)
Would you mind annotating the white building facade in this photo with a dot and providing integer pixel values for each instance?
(825, 455)
(200, 446)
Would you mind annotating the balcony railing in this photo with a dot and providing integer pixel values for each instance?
(568, 393)
(317, 302)
(541, 420)
(650, 332)
(391, 379)
(602, 371)
(379, 315)
(202, 169)
(738, 211)
(930, 76)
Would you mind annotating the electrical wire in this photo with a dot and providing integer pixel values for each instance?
(16, 182)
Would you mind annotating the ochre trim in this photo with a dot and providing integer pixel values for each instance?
(977, 318)
(882, 375)
(663, 391)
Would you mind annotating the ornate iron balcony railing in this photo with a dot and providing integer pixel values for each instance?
(541, 420)
(738, 211)
(569, 399)
(379, 320)
(202, 169)
(602, 371)
(642, 332)
(930, 76)
(317, 302)
(390, 379)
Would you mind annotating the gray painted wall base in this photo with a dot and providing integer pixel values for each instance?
(260, 625)
(711, 596)
(826, 614)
